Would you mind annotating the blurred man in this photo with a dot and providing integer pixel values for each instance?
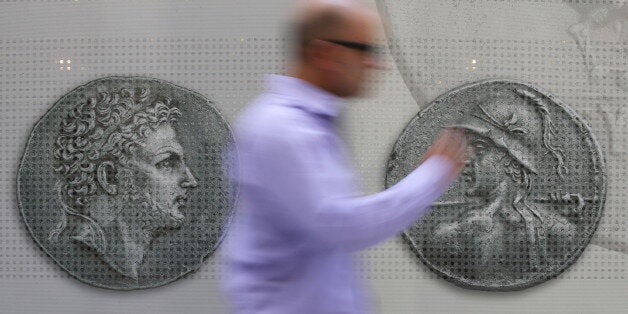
(301, 216)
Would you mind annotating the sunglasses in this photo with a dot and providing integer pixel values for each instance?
(370, 49)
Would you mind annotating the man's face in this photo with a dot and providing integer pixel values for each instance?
(162, 177)
(484, 171)
(352, 65)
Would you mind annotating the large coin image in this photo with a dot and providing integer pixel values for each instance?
(124, 184)
(528, 201)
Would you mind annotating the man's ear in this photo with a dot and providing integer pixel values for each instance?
(105, 174)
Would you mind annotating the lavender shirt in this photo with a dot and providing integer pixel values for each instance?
(300, 215)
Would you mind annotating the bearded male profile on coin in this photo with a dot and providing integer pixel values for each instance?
(123, 179)
(503, 233)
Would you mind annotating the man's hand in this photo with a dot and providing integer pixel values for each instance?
(451, 143)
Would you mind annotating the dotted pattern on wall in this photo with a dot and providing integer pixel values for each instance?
(190, 50)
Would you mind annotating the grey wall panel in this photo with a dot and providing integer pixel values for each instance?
(222, 49)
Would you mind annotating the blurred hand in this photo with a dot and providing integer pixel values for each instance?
(451, 143)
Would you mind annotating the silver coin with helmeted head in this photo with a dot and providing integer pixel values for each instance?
(527, 202)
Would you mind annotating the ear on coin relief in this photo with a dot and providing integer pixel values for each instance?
(124, 183)
(529, 200)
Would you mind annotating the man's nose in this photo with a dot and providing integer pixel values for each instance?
(189, 181)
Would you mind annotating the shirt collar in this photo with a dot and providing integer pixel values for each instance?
(310, 98)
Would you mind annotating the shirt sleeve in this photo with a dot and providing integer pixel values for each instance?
(293, 177)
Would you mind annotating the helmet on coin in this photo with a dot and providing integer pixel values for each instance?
(521, 128)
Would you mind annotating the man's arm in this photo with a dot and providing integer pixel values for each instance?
(353, 223)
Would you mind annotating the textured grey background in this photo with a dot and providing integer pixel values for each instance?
(222, 48)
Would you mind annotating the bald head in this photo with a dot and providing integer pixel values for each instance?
(326, 19)
(333, 42)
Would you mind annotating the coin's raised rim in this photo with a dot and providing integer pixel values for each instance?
(227, 224)
(580, 123)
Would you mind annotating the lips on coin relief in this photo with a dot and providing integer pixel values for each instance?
(123, 182)
(527, 203)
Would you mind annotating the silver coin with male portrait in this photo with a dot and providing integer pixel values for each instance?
(528, 201)
(124, 184)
